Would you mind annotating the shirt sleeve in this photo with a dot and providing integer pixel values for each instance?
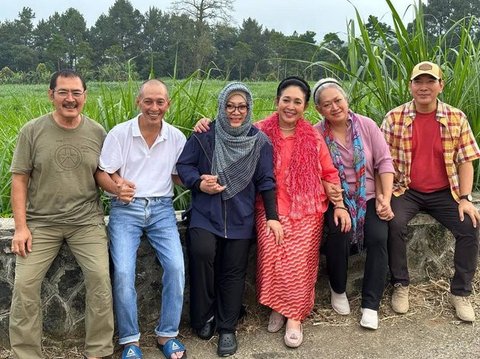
(329, 172)
(111, 157)
(382, 160)
(188, 163)
(468, 148)
(22, 155)
(180, 146)
(264, 177)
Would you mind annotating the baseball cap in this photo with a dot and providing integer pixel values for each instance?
(428, 68)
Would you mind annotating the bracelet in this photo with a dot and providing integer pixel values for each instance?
(340, 207)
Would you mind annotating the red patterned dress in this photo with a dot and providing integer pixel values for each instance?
(287, 273)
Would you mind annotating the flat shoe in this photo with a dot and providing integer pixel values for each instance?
(275, 322)
(369, 319)
(293, 338)
(340, 302)
(206, 332)
(227, 344)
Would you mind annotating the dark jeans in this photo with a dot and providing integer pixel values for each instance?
(441, 206)
(337, 251)
(217, 278)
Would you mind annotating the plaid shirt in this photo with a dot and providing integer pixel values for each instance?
(458, 142)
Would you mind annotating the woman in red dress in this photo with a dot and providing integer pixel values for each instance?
(287, 270)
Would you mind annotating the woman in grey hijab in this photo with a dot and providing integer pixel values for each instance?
(225, 168)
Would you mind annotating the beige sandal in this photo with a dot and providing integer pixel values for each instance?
(275, 322)
(293, 338)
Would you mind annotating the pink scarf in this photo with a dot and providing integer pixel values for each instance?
(303, 180)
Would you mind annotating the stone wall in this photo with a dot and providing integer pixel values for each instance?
(430, 255)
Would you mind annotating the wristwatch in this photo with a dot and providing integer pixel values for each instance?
(468, 197)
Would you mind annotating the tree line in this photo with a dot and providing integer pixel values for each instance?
(191, 36)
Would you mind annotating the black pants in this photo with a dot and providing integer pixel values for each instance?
(337, 251)
(441, 206)
(217, 278)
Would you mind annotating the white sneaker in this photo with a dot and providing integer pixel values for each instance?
(340, 303)
(369, 318)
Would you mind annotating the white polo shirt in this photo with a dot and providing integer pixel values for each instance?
(151, 169)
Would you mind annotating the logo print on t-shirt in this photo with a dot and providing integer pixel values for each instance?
(68, 157)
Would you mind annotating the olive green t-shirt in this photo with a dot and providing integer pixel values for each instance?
(61, 163)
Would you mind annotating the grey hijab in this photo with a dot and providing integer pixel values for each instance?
(236, 155)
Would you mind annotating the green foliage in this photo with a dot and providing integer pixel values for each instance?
(111, 103)
(376, 72)
(6, 74)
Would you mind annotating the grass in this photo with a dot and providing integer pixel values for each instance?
(376, 70)
(113, 103)
(375, 74)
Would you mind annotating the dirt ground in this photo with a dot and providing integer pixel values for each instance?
(429, 330)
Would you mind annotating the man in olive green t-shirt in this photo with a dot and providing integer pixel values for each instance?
(55, 200)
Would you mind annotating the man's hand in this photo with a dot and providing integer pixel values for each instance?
(383, 208)
(202, 125)
(125, 190)
(467, 207)
(22, 242)
(274, 226)
(210, 185)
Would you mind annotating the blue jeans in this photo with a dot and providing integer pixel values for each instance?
(155, 218)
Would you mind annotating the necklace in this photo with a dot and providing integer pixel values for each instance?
(287, 128)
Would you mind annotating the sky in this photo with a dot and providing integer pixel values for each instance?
(286, 16)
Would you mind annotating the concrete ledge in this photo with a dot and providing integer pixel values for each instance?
(430, 248)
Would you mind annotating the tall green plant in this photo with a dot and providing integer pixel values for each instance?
(376, 71)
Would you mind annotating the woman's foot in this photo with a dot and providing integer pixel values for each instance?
(293, 333)
(340, 302)
(369, 319)
(275, 322)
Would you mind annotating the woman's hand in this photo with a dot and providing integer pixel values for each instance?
(276, 228)
(334, 192)
(210, 185)
(341, 217)
(383, 208)
(202, 125)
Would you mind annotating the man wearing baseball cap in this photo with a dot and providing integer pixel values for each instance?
(433, 148)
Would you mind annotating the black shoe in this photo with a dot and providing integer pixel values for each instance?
(207, 331)
(227, 344)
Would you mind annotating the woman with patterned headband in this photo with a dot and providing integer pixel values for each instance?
(363, 160)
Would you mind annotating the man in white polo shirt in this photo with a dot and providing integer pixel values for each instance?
(137, 167)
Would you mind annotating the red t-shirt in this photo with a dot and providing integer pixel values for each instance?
(428, 172)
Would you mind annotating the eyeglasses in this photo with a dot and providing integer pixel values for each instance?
(64, 93)
(232, 108)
